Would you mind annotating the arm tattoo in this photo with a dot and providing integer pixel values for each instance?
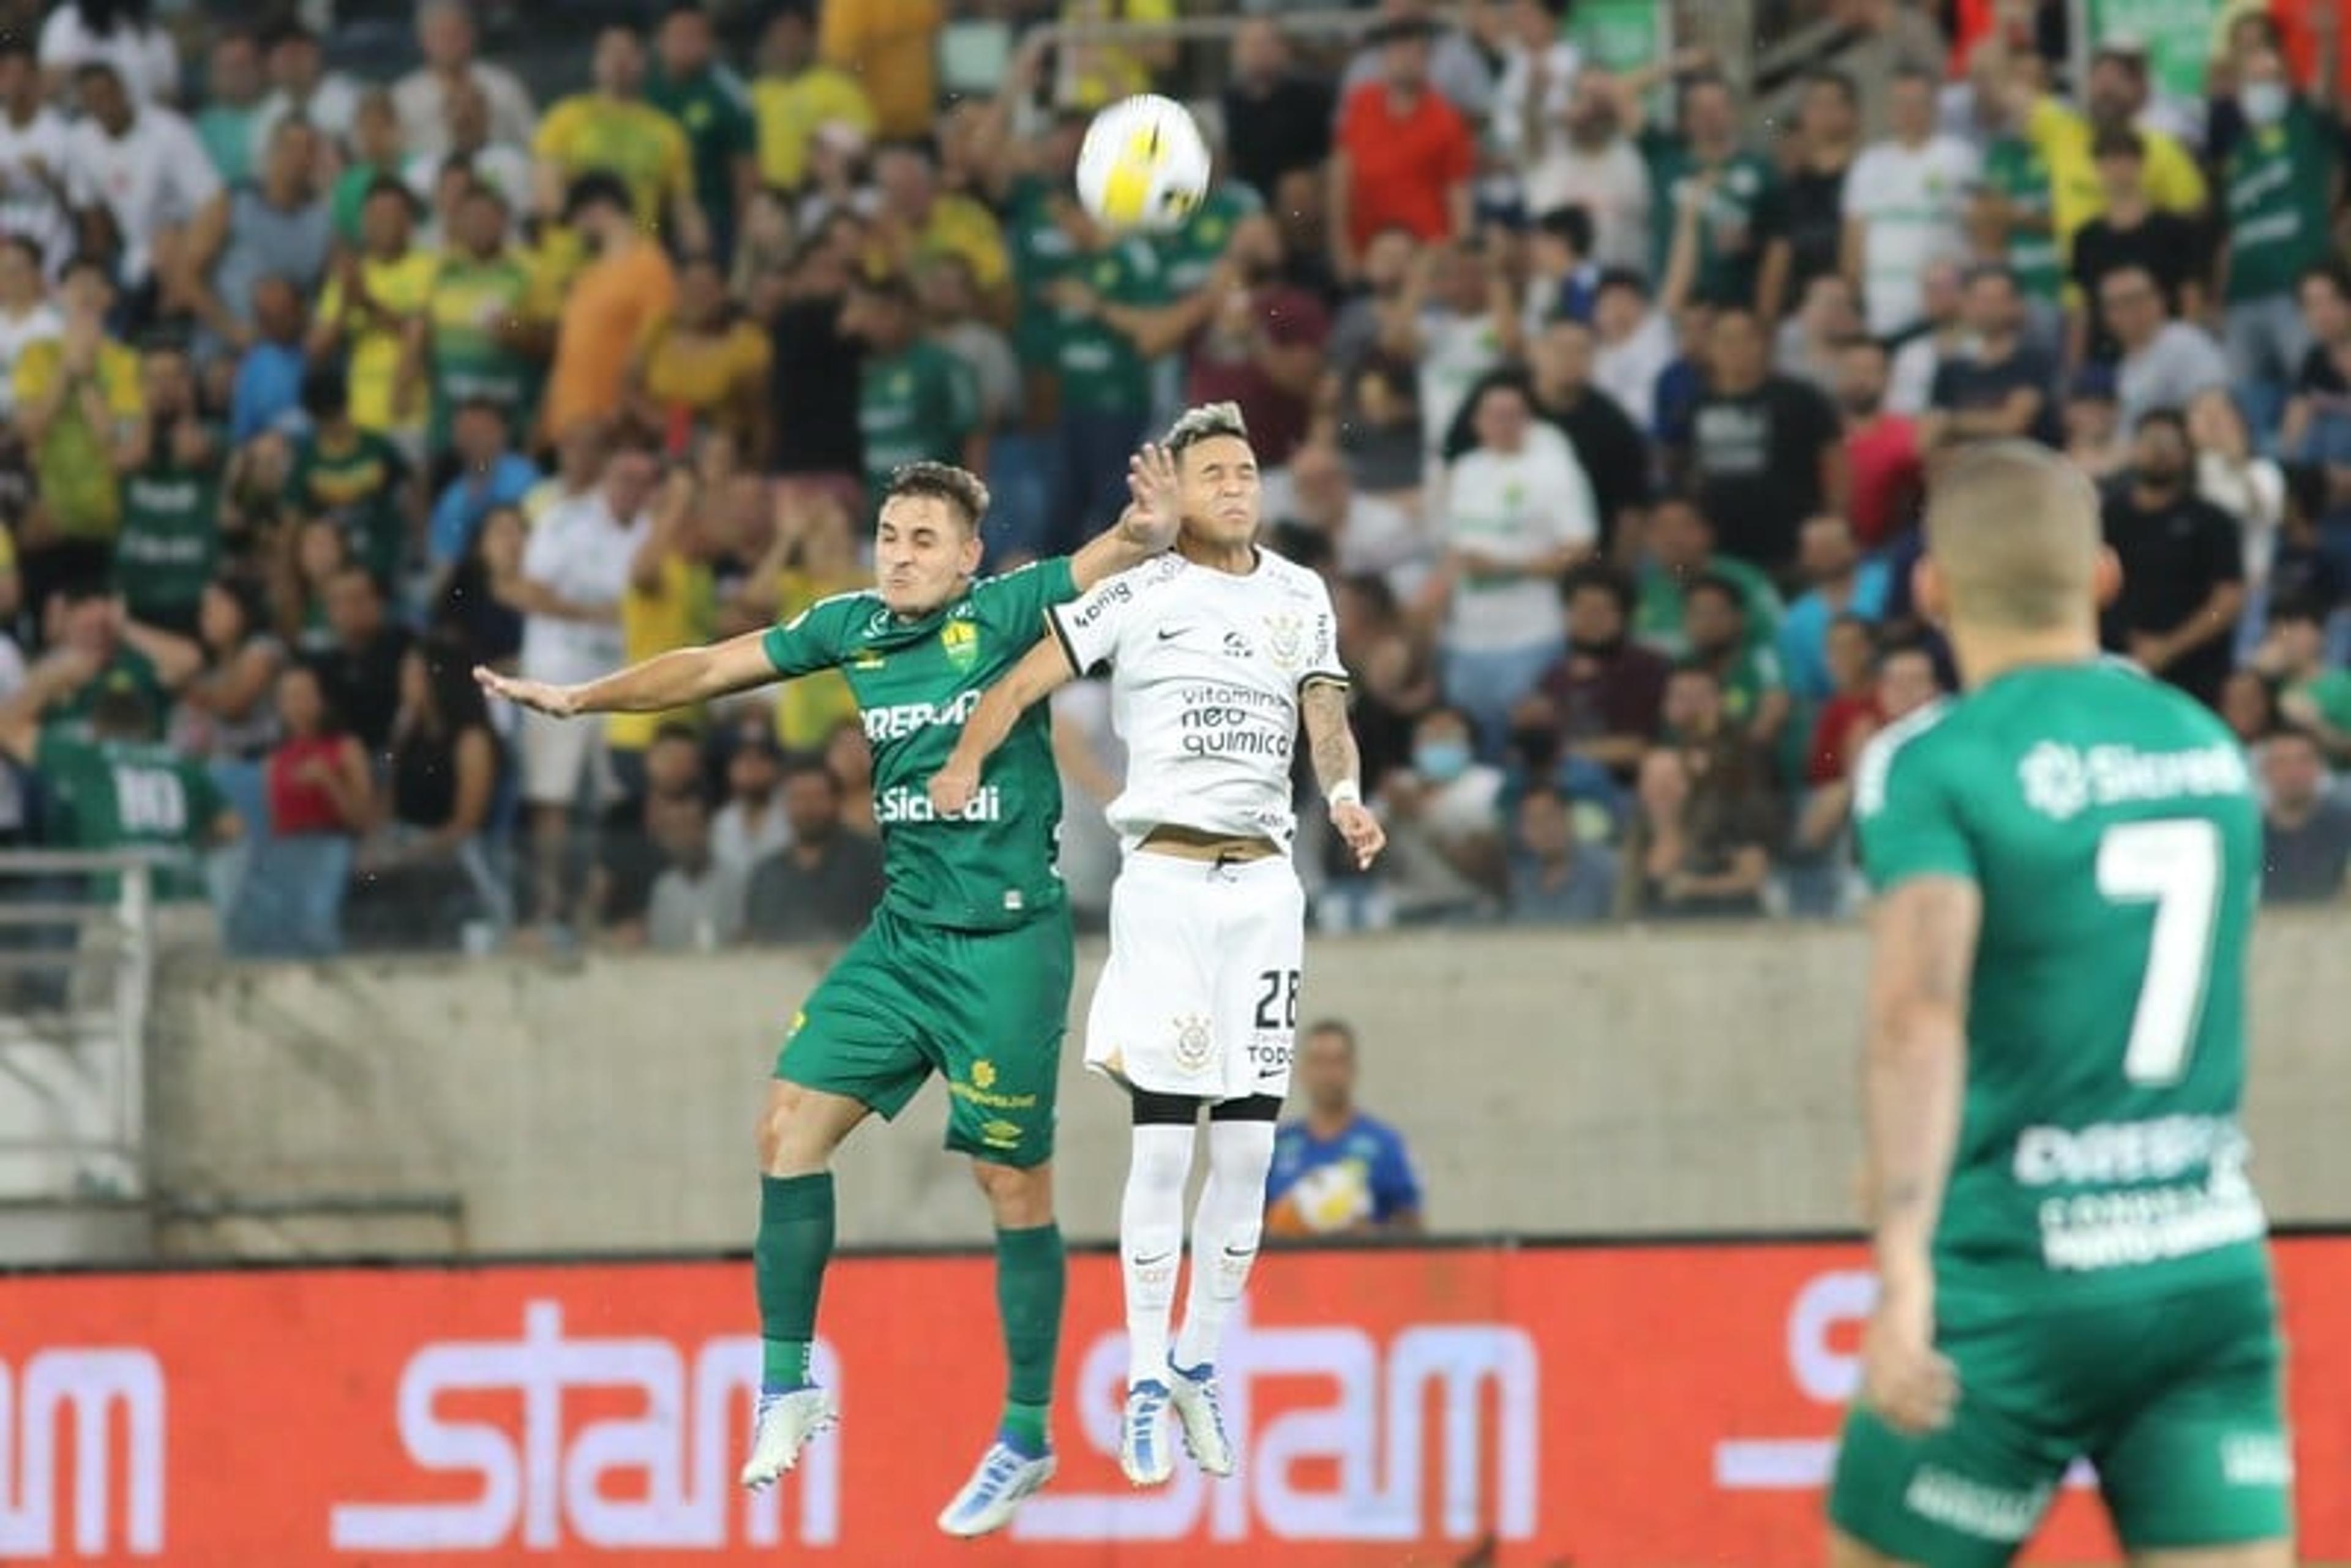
(1331, 742)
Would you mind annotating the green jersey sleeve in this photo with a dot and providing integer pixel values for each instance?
(1015, 603)
(818, 638)
(1908, 809)
(206, 801)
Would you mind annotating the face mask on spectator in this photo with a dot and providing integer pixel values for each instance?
(2264, 103)
(1441, 761)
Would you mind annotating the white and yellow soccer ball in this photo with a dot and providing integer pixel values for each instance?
(1144, 165)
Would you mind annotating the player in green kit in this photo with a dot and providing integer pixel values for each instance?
(966, 966)
(2071, 1261)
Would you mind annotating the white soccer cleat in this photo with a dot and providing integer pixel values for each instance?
(1142, 1435)
(782, 1429)
(996, 1489)
(1193, 1395)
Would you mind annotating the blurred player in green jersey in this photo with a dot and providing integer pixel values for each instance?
(2072, 1264)
(966, 966)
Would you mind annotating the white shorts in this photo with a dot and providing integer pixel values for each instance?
(1200, 995)
(560, 755)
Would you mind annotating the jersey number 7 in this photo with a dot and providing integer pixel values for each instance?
(2176, 865)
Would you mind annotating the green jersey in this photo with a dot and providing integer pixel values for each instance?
(128, 671)
(2109, 824)
(916, 681)
(715, 112)
(354, 482)
(1658, 608)
(921, 404)
(2013, 168)
(129, 794)
(1187, 257)
(471, 301)
(1730, 235)
(170, 539)
(2280, 184)
(1041, 250)
(1101, 370)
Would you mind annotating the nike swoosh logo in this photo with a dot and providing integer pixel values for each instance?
(1153, 1260)
(1167, 636)
(1240, 1252)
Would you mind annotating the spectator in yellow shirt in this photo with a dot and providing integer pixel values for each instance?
(890, 45)
(811, 555)
(669, 603)
(916, 221)
(614, 129)
(794, 93)
(374, 308)
(1094, 74)
(81, 410)
(707, 365)
(2065, 137)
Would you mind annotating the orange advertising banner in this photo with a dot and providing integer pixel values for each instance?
(1636, 1407)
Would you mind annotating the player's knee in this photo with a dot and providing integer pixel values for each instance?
(795, 1138)
(1017, 1196)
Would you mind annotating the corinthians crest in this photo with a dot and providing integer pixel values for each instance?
(1285, 639)
(1194, 1042)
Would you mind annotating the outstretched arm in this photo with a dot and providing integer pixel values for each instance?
(1338, 768)
(51, 679)
(1923, 938)
(1044, 671)
(680, 678)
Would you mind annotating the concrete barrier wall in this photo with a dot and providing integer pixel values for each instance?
(1634, 1081)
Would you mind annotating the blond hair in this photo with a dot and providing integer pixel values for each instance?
(2012, 528)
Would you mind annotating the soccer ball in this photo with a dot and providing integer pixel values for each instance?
(1144, 165)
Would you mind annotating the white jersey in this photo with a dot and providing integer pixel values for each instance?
(1206, 671)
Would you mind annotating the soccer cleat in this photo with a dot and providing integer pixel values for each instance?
(996, 1489)
(781, 1427)
(1142, 1435)
(1193, 1395)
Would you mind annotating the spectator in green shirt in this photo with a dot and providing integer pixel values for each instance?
(712, 108)
(2311, 694)
(170, 502)
(1713, 198)
(1680, 550)
(916, 402)
(352, 477)
(1110, 317)
(2279, 184)
(1714, 624)
(109, 784)
(118, 655)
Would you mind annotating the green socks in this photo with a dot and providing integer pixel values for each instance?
(787, 1265)
(1031, 1270)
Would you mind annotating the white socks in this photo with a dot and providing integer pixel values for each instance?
(1225, 1230)
(1226, 1226)
(1151, 1244)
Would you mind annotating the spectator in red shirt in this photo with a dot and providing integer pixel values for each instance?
(1881, 449)
(1404, 155)
(1262, 346)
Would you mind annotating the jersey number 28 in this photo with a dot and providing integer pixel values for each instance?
(2176, 865)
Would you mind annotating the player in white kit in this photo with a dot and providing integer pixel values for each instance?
(1217, 652)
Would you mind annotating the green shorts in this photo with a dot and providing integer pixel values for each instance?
(2175, 1398)
(987, 1009)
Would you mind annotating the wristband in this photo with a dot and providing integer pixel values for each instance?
(1345, 793)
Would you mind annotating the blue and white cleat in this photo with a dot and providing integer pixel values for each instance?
(1142, 1435)
(781, 1427)
(1193, 1395)
(994, 1494)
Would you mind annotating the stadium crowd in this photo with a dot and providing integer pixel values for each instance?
(1604, 398)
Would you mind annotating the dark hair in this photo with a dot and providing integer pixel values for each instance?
(288, 29)
(252, 607)
(1910, 71)
(801, 763)
(393, 185)
(2307, 488)
(2296, 732)
(1714, 582)
(27, 244)
(2166, 415)
(121, 713)
(2119, 142)
(1337, 1026)
(331, 718)
(2330, 272)
(1840, 82)
(82, 588)
(1621, 277)
(891, 285)
(457, 701)
(1570, 224)
(87, 261)
(598, 188)
(1867, 627)
(326, 393)
(2300, 609)
(15, 45)
(1985, 271)
(1600, 575)
(958, 487)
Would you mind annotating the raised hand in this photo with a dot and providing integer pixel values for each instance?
(1158, 510)
(542, 697)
